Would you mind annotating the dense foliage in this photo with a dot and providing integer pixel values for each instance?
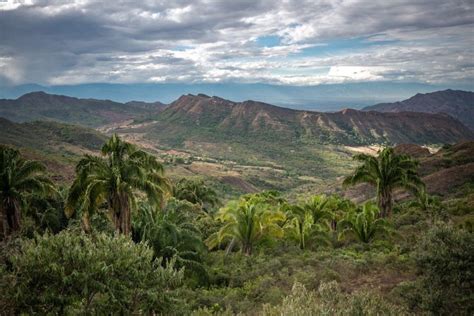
(134, 243)
(445, 261)
(73, 273)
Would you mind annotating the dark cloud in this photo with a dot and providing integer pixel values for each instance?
(52, 42)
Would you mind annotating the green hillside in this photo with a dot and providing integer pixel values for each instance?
(87, 112)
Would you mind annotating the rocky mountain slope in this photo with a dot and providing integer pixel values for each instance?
(88, 112)
(204, 118)
(458, 104)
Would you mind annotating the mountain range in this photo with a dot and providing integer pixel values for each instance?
(323, 97)
(459, 104)
(204, 118)
(238, 144)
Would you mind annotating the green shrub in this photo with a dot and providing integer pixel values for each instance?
(445, 261)
(72, 273)
(330, 300)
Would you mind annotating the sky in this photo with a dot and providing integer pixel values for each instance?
(294, 43)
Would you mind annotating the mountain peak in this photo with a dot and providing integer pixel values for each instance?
(456, 103)
(34, 95)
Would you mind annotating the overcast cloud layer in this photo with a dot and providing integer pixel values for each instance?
(280, 42)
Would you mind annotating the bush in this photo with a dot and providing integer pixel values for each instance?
(330, 300)
(445, 261)
(72, 273)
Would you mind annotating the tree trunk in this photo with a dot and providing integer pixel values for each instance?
(247, 249)
(230, 246)
(11, 214)
(302, 241)
(125, 216)
(86, 226)
(385, 203)
(121, 213)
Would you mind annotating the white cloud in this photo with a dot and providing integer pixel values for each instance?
(66, 42)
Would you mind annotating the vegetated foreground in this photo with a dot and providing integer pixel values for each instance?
(127, 238)
(213, 207)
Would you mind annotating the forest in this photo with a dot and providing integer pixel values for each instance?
(124, 238)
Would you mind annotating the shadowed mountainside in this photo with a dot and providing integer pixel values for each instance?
(88, 112)
(458, 104)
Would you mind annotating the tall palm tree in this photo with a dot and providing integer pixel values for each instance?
(114, 181)
(18, 179)
(386, 172)
(246, 222)
(364, 223)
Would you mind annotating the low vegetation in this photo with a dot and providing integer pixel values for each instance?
(136, 242)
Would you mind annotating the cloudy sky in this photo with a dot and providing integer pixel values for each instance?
(278, 42)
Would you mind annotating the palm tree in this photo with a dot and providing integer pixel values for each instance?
(196, 192)
(114, 181)
(172, 236)
(386, 172)
(18, 179)
(47, 211)
(317, 206)
(337, 207)
(298, 224)
(364, 223)
(428, 203)
(246, 222)
(307, 220)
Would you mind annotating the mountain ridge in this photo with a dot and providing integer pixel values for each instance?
(348, 126)
(192, 115)
(457, 103)
(89, 112)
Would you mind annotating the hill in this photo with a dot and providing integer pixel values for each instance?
(458, 104)
(57, 145)
(87, 112)
(204, 118)
(446, 173)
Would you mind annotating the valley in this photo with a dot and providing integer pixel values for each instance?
(237, 158)
(237, 147)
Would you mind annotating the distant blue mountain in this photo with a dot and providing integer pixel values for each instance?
(330, 97)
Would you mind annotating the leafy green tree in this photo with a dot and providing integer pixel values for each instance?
(386, 172)
(70, 274)
(247, 221)
(19, 178)
(196, 192)
(171, 234)
(114, 181)
(364, 223)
